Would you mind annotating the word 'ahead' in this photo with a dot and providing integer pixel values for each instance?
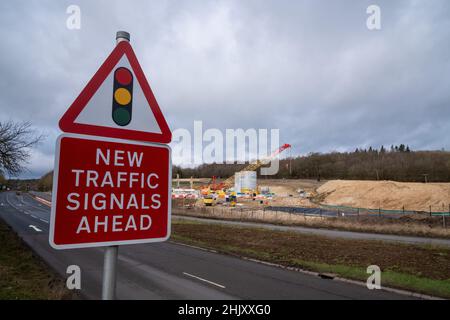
(109, 192)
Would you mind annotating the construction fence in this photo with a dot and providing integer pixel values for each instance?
(293, 215)
(432, 211)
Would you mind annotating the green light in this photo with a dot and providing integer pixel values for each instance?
(121, 116)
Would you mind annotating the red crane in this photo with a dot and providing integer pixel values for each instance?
(251, 167)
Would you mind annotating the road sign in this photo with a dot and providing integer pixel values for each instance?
(108, 192)
(118, 103)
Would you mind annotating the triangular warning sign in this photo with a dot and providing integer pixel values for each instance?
(118, 103)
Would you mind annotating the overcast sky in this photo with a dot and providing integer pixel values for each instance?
(310, 68)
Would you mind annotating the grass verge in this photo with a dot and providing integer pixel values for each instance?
(422, 269)
(22, 274)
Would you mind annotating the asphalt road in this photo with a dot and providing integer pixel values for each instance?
(173, 271)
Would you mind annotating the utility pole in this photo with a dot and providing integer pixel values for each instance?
(290, 163)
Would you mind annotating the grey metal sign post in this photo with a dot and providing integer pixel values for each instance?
(109, 273)
(111, 252)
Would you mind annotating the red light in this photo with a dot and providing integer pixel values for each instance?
(123, 76)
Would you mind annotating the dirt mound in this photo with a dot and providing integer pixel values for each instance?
(284, 187)
(386, 195)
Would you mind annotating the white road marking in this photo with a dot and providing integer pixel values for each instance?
(35, 228)
(193, 247)
(7, 200)
(27, 213)
(201, 279)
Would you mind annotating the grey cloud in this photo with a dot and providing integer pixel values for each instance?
(309, 68)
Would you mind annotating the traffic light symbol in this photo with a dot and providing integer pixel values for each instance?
(122, 105)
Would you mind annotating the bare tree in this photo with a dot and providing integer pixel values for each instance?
(16, 139)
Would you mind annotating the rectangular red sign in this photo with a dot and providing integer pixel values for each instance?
(109, 192)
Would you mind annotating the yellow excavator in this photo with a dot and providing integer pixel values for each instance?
(209, 200)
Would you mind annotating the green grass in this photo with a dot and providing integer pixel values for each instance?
(22, 274)
(389, 278)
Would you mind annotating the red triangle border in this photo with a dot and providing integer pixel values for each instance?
(67, 121)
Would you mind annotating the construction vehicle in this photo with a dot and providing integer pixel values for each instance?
(211, 187)
(233, 199)
(209, 200)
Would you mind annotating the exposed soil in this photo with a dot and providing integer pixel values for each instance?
(390, 195)
(286, 187)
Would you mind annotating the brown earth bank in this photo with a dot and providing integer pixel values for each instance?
(284, 187)
(389, 195)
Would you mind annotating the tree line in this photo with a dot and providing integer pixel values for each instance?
(397, 163)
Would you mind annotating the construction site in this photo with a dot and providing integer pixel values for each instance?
(240, 190)
(290, 201)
